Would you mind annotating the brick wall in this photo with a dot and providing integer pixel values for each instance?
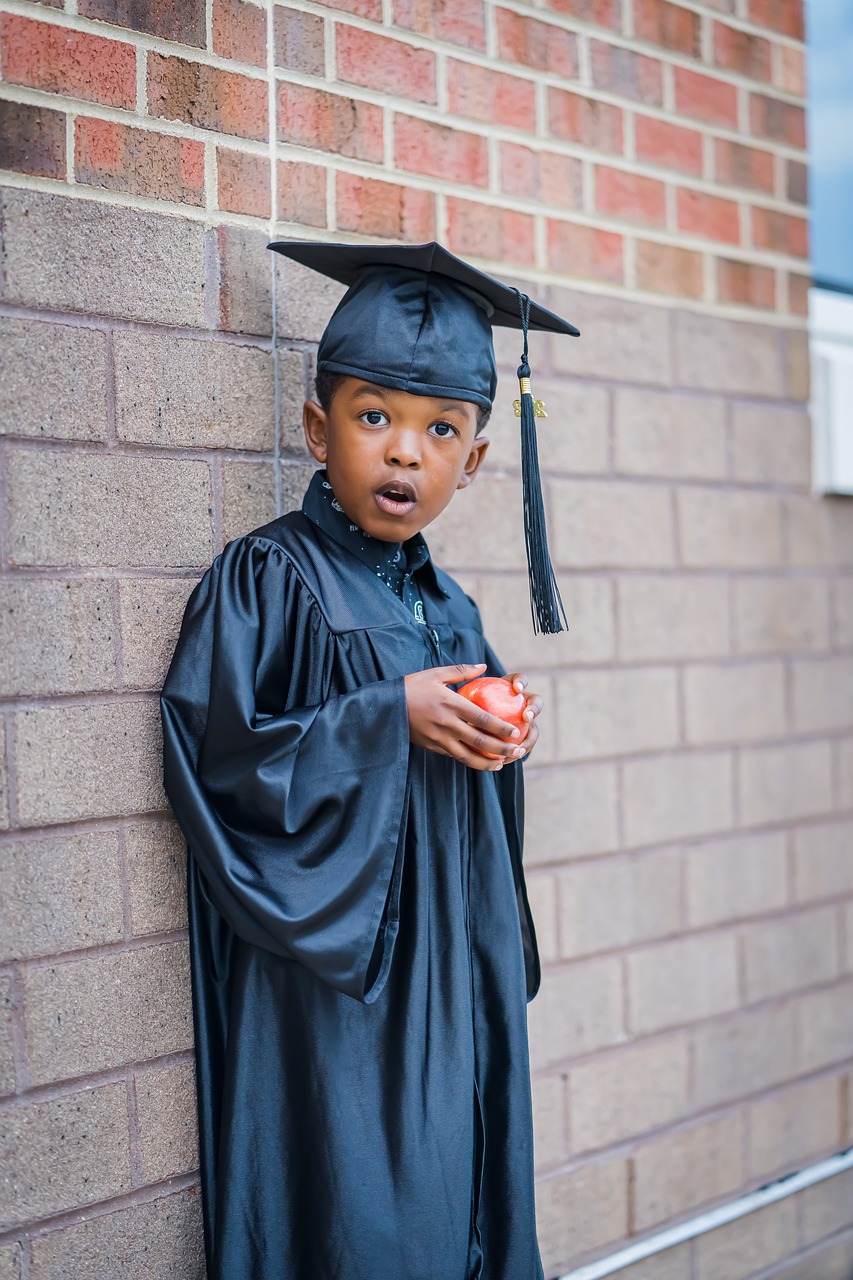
(639, 165)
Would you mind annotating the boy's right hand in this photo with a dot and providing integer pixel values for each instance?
(443, 721)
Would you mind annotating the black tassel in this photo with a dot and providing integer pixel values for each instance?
(546, 606)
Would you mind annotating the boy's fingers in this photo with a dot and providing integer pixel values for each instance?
(534, 706)
(484, 720)
(486, 744)
(518, 680)
(460, 671)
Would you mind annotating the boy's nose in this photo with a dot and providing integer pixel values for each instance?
(404, 449)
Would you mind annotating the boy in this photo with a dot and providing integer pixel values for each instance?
(362, 945)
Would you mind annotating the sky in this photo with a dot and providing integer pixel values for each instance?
(829, 33)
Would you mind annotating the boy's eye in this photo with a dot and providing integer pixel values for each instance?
(444, 429)
(374, 418)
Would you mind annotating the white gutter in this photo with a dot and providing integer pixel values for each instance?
(714, 1218)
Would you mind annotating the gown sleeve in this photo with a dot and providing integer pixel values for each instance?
(294, 814)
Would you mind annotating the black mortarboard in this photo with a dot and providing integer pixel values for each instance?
(419, 319)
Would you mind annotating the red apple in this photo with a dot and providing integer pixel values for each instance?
(497, 696)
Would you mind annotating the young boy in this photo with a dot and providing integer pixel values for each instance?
(362, 945)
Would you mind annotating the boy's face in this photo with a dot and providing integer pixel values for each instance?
(394, 459)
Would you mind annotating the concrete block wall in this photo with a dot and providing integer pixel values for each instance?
(639, 165)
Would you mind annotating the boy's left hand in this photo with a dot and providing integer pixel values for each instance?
(534, 705)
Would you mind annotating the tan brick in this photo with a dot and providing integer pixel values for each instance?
(542, 896)
(832, 1261)
(824, 1027)
(147, 1241)
(718, 355)
(615, 902)
(7, 1049)
(492, 507)
(742, 876)
(73, 620)
(670, 797)
(597, 522)
(674, 1263)
(719, 528)
(780, 783)
(295, 478)
(582, 1210)
(295, 386)
(662, 433)
(156, 874)
(848, 944)
(54, 381)
(245, 286)
(771, 444)
(99, 509)
(10, 1262)
(64, 1153)
(168, 1128)
(603, 713)
(822, 694)
(4, 794)
(625, 341)
(304, 299)
(682, 981)
(740, 1249)
(777, 614)
(100, 259)
(83, 1015)
(572, 439)
(67, 761)
(181, 391)
(577, 1009)
(549, 1119)
(748, 1053)
(687, 1168)
(60, 894)
(150, 613)
(798, 950)
(819, 531)
(626, 1093)
(734, 703)
(823, 866)
(504, 601)
(845, 773)
(248, 497)
(588, 794)
(792, 1128)
(696, 610)
(825, 1207)
(842, 610)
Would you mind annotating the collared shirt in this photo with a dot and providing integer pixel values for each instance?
(395, 563)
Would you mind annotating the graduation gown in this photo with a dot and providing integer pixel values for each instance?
(361, 941)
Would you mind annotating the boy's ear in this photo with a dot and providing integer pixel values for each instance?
(315, 425)
(472, 465)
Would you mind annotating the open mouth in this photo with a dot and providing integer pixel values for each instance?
(396, 498)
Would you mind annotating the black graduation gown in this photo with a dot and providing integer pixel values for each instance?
(361, 941)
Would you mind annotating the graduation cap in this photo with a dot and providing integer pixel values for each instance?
(419, 319)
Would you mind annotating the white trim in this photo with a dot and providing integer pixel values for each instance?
(714, 1218)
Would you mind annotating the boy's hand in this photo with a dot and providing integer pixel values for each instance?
(442, 721)
(534, 705)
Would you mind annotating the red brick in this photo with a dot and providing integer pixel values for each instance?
(785, 16)
(600, 13)
(630, 196)
(384, 209)
(783, 232)
(440, 152)
(32, 140)
(244, 182)
(302, 193)
(45, 56)
(390, 66)
(632, 75)
(585, 120)
(740, 51)
(453, 21)
(798, 293)
(540, 45)
(299, 43)
(490, 96)
(666, 268)
(362, 8)
(746, 283)
(207, 97)
(669, 145)
(139, 161)
(584, 251)
(541, 175)
(668, 26)
(781, 121)
(706, 215)
(240, 31)
(789, 73)
(704, 98)
(181, 20)
(330, 121)
(737, 165)
(486, 231)
(797, 182)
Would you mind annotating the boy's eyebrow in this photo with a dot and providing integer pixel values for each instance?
(367, 392)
